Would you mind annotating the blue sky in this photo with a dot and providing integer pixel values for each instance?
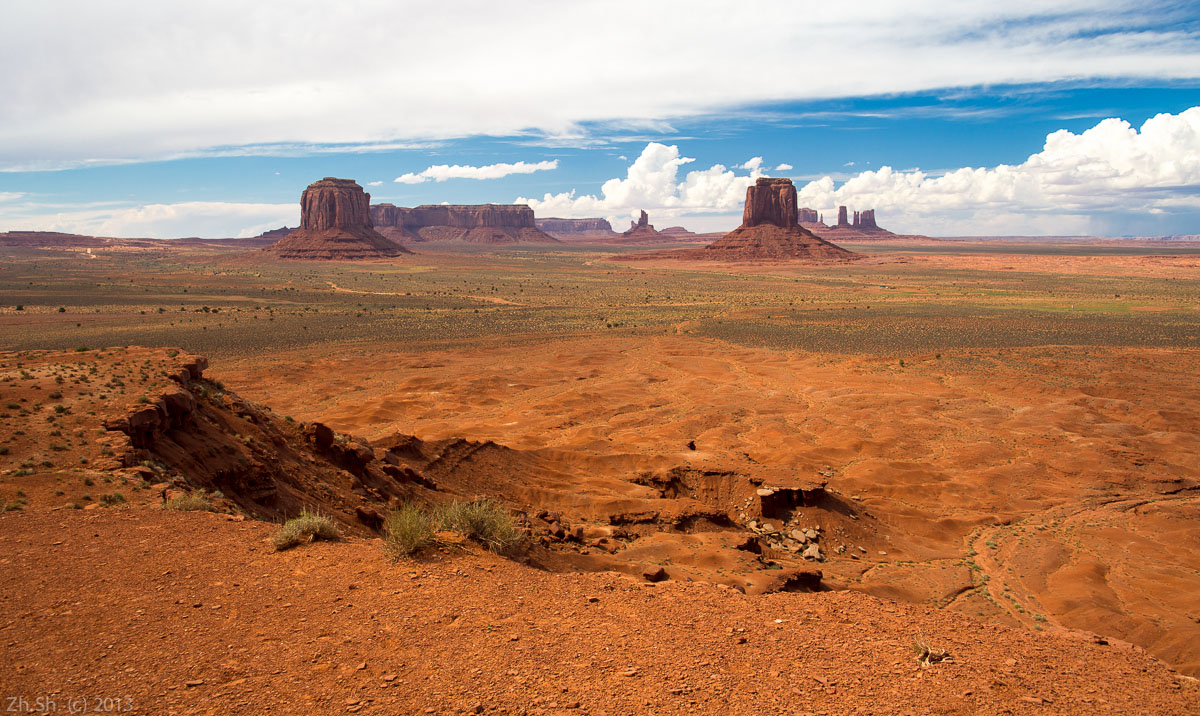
(159, 120)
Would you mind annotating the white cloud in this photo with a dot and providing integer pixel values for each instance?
(442, 172)
(1075, 185)
(784, 168)
(374, 183)
(208, 219)
(104, 83)
(752, 164)
(1078, 184)
(652, 183)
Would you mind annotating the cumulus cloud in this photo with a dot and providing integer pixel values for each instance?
(102, 83)
(1073, 186)
(374, 183)
(652, 183)
(1077, 184)
(442, 172)
(752, 164)
(208, 219)
(784, 168)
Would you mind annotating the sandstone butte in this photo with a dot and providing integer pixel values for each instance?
(335, 225)
(640, 230)
(470, 223)
(576, 228)
(770, 229)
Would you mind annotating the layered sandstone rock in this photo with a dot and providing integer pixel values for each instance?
(770, 201)
(808, 216)
(593, 228)
(842, 222)
(471, 223)
(865, 220)
(640, 231)
(770, 229)
(335, 224)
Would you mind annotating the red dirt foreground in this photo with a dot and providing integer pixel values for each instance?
(195, 613)
(109, 597)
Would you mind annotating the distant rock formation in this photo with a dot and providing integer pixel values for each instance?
(640, 231)
(576, 228)
(859, 226)
(770, 229)
(335, 223)
(471, 223)
(865, 220)
(842, 222)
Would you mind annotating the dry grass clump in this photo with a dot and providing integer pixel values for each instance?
(481, 520)
(309, 526)
(407, 531)
(191, 502)
(411, 528)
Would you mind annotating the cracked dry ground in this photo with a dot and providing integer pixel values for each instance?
(194, 613)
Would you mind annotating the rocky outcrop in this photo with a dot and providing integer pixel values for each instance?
(770, 201)
(842, 222)
(472, 223)
(808, 216)
(770, 229)
(576, 228)
(640, 231)
(865, 220)
(335, 223)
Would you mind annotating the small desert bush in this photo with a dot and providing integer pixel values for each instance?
(410, 529)
(481, 520)
(307, 527)
(192, 501)
(112, 500)
(406, 531)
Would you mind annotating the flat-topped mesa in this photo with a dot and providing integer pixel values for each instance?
(809, 216)
(770, 229)
(335, 223)
(770, 201)
(865, 219)
(568, 228)
(334, 204)
(475, 223)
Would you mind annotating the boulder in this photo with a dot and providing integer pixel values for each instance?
(654, 573)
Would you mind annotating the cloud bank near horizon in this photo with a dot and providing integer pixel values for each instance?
(231, 81)
(1067, 188)
(1073, 186)
(443, 172)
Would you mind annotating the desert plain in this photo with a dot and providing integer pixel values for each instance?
(993, 448)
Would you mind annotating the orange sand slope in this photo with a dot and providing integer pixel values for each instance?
(1078, 464)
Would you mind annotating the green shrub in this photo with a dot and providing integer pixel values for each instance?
(307, 527)
(191, 502)
(482, 520)
(112, 500)
(406, 531)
